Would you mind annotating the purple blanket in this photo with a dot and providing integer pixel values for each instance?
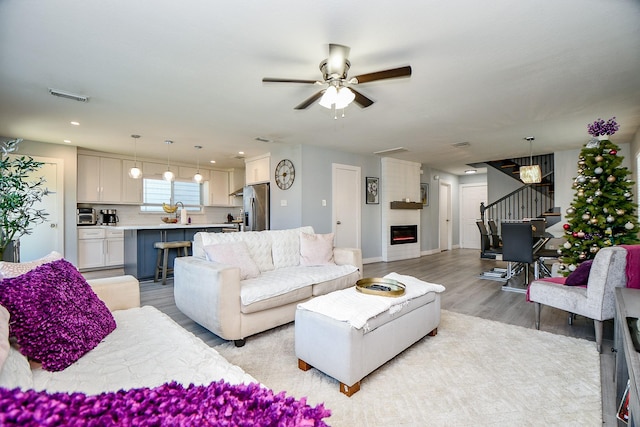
(633, 266)
(216, 404)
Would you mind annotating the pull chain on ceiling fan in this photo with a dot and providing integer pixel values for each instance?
(340, 93)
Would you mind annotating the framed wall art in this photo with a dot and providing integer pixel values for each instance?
(372, 187)
(424, 194)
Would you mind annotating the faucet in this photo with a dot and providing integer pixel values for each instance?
(177, 211)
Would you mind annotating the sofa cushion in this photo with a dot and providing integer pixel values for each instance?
(258, 243)
(235, 254)
(283, 280)
(146, 350)
(16, 371)
(56, 316)
(316, 249)
(15, 269)
(285, 247)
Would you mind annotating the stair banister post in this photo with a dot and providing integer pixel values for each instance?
(482, 209)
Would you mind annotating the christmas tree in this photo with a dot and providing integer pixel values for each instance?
(602, 213)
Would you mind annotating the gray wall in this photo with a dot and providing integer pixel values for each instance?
(68, 154)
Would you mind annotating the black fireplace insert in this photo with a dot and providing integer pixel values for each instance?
(401, 234)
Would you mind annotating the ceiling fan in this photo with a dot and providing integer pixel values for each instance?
(339, 91)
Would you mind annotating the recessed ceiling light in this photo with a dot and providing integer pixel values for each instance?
(240, 152)
(212, 161)
(470, 171)
(75, 123)
(68, 141)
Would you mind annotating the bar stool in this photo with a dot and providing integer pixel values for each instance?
(163, 256)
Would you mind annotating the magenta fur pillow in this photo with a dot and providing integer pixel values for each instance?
(216, 404)
(55, 315)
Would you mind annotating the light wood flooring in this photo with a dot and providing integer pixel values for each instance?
(466, 292)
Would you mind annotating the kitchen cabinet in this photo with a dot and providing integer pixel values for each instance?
(131, 188)
(99, 179)
(185, 172)
(258, 169)
(114, 248)
(155, 170)
(218, 188)
(99, 248)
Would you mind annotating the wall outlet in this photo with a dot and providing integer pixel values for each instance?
(283, 203)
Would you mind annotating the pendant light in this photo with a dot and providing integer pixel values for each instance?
(135, 171)
(197, 177)
(168, 175)
(530, 174)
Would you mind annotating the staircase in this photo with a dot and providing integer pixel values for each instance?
(528, 201)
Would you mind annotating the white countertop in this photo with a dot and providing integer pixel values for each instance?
(163, 226)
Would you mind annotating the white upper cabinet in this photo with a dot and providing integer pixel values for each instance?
(258, 169)
(99, 179)
(150, 169)
(185, 172)
(219, 188)
(131, 188)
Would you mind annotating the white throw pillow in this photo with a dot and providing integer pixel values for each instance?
(316, 249)
(15, 269)
(235, 254)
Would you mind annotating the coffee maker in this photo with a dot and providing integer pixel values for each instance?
(108, 217)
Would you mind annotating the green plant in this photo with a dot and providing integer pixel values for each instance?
(18, 195)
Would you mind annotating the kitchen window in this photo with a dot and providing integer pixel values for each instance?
(155, 192)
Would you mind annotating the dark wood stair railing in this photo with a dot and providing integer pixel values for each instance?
(528, 201)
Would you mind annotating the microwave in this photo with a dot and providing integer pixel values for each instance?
(86, 216)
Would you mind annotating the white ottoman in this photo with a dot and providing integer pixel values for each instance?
(346, 337)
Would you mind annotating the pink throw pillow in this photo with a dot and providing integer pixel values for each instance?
(235, 254)
(316, 249)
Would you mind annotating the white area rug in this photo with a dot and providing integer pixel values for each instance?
(474, 372)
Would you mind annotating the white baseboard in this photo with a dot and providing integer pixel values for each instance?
(371, 260)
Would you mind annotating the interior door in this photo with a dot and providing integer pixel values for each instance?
(346, 199)
(471, 195)
(48, 236)
(444, 198)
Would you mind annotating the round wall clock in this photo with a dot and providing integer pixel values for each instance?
(285, 174)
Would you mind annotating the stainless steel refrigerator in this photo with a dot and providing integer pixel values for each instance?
(256, 207)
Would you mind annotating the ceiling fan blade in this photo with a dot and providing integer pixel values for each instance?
(277, 80)
(381, 75)
(307, 102)
(360, 99)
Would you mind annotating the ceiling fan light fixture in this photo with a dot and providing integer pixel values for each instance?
(329, 97)
(344, 98)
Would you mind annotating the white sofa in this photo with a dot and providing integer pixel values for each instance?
(213, 294)
(147, 349)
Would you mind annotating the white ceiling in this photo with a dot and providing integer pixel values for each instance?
(485, 72)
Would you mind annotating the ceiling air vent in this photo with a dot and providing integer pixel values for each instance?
(390, 151)
(68, 95)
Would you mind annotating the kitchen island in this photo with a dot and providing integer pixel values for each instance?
(139, 254)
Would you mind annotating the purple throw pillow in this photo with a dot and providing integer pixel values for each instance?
(580, 276)
(55, 315)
